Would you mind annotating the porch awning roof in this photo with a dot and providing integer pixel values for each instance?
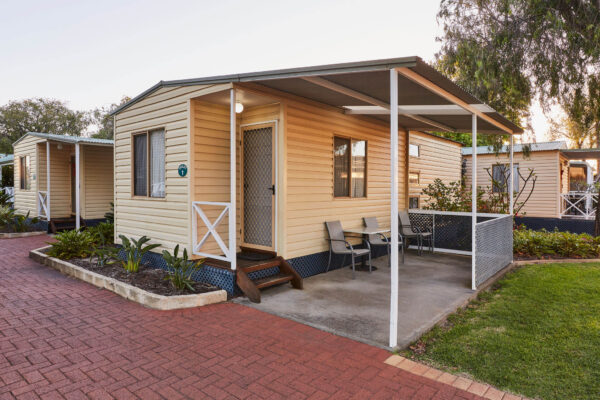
(427, 99)
(68, 139)
(581, 154)
(6, 160)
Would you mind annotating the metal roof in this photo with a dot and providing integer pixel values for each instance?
(581, 154)
(518, 148)
(369, 78)
(68, 139)
(6, 159)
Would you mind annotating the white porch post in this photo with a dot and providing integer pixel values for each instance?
(77, 209)
(511, 184)
(232, 177)
(474, 202)
(394, 207)
(48, 180)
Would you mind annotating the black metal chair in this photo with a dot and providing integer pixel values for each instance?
(379, 239)
(339, 245)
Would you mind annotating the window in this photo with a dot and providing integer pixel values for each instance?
(149, 163)
(413, 202)
(414, 177)
(414, 150)
(500, 177)
(24, 171)
(349, 167)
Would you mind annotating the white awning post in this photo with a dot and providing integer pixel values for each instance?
(48, 180)
(77, 187)
(232, 177)
(394, 207)
(511, 184)
(474, 202)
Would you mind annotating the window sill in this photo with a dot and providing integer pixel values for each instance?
(148, 198)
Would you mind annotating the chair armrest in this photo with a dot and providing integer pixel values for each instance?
(341, 240)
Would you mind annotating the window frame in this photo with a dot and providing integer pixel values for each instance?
(24, 174)
(148, 195)
(418, 174)
(418, 202)
(506, 166)
(418, 146)
(351, 140)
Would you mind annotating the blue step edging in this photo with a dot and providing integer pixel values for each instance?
(562, 224)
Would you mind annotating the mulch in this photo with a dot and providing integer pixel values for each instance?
(147, 278)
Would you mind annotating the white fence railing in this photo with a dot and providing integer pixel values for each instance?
(199, 214)
(578, 205)
(43, 204)
(10, 191)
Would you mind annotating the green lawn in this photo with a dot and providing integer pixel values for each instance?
(537, 334)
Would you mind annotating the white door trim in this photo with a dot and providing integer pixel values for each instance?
(275, 122)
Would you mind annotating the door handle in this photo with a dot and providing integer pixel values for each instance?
(272, 188)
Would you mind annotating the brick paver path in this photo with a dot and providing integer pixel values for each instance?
(61, 338)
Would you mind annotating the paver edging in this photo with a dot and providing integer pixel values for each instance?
(480, 389)
(14, 235)
(130, 292)
(556, 261)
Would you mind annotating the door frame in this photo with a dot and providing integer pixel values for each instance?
(274, 177)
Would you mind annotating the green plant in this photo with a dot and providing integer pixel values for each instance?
(528, 243)
(103, 233)
(71, 244)
(22, 223)
(181, 269)
(5, 198)
(104, 255)
(7, 215)
(134, 250)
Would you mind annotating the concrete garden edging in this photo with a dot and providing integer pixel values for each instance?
(147, 299)
(14, 235)
(556, 261)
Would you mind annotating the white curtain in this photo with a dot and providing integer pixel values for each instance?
(157, 163)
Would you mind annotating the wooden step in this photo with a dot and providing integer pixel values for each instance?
(272, 280)
(251, 288)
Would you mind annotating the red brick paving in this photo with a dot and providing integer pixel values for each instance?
(65, 339)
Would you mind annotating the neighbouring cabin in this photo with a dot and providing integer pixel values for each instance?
(560, 188)
(46, 167)
(431, 157)
(245, 170)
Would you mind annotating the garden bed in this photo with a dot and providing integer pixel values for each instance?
(147, 287)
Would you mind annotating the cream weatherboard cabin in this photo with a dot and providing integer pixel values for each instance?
(47, 170)
(231, 167)
(561, 181)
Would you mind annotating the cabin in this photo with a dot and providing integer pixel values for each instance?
(247, 167)
(562, 177)
(64, 180)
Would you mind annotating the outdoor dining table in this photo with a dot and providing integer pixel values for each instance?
(361, 232)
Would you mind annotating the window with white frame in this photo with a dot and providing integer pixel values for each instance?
(413, 202)
(24, 172)
(349, 167)
(501, 177)
(414, 150)
(149, 163)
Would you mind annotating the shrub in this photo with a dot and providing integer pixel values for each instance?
(104, 255)
(103, 233)
(529, 243)
(181, 269)
(7, 215)
(134, 250)
(16, 222)
(71, 244)
(5, 198)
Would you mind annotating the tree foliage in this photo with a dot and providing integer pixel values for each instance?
(510, 52)
(38, 115)
(104, 122)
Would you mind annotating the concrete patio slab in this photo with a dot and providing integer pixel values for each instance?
(431, 287)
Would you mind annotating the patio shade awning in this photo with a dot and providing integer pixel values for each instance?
(581, 154)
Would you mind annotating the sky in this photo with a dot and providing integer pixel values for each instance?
(92, 53)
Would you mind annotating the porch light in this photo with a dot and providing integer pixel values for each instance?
(59, 146)
(239, 107)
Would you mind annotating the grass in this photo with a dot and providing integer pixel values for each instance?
(537, 334)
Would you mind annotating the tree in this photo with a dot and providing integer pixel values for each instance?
(104, 121)
(576, 129)
(510, 52)
(38, 115)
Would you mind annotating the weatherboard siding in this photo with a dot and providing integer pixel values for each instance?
(60, 177)
(165, 220)
(544, 201)
(97, 181)
(26, 199)
(439, 158)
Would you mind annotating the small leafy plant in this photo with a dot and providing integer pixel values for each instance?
(7, 215)
(135, 250)
(5, 198)
(528, 243)
(104, 255)
(103, 233)
(71, 244)
(181, 269)
(22, 223)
